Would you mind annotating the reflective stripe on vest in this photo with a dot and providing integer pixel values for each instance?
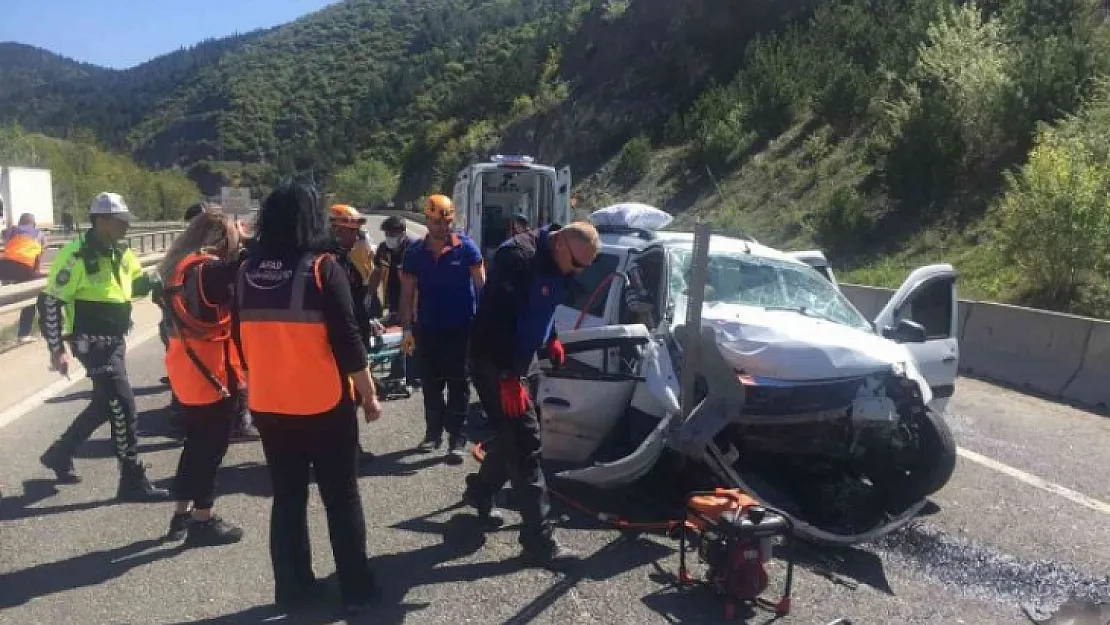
(291, 369)
(210, 342)
(22, 249)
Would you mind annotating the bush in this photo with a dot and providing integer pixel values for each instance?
(365, 183)
(842, 222)
(1055, 215)
(953, 108)
(633, 161)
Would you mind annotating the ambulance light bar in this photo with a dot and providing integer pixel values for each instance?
(514, 159)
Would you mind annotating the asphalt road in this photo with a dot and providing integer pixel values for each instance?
(69, 553)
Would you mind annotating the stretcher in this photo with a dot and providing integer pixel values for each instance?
(382, 350)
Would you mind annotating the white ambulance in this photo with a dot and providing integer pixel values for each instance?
(487, 195)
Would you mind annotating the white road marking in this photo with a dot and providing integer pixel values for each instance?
(1033, 480)
(76, 374)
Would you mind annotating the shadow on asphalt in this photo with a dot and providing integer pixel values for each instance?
(86, 395)
(90, 569)
(34, 491)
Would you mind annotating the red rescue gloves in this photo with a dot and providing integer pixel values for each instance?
(514, 397)
(555, 352)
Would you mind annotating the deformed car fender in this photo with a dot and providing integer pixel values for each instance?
(629, 468)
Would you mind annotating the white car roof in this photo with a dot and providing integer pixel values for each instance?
(717, 243)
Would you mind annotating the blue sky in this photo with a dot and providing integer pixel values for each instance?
(124, 33)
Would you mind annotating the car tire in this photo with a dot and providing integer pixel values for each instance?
(931, 466)
(939, 450)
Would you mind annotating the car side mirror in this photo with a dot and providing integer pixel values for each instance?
(906, 331)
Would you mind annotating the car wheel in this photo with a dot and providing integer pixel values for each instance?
(938, 451)
(931, 465)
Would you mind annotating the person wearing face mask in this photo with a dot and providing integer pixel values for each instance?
(387, 275)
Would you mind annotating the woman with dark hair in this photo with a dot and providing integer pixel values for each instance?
(305, 359)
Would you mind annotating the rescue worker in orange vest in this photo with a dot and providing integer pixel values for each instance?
(305, 359)
(22, 261)
(353, 253)
(204, 367)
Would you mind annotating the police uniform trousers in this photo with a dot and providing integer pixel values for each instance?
(512, 454)
(443, 357)
(104, 360)
(328, 445)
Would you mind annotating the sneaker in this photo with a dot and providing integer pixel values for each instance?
(455, 451)
(179, 525)
(24, 340)
(214, 531)
(551, 555)
(429, 444)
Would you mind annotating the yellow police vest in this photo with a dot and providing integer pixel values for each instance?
(70, 279)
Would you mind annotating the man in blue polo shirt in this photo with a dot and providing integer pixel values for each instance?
(443, 273)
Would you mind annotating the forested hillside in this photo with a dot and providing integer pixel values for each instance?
(81, 168)
(887, 132)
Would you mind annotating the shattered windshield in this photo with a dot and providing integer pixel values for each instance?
(740, 278)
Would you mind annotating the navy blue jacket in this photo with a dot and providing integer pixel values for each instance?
(516, 310)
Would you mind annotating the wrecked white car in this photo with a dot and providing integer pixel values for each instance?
(801, 400)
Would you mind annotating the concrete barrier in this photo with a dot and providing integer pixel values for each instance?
(1091, 384)
(1032, 349)
(868, 299)
(1066, 357)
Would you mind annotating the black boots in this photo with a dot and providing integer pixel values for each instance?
(135, 486)
(490, 516)
(539, 546)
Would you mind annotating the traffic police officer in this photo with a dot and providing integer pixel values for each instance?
(87, 301)
(528, 280)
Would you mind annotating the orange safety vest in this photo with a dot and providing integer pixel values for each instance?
(23, 249)
(291, 369)
(199, 357)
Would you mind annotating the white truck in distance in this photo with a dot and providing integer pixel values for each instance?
(26, 190)
(487, 195)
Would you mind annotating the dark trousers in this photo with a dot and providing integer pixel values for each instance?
(104, 359)
(513, 455)
(443, 356)
(206, 440)
(329, 445)
(12, 272)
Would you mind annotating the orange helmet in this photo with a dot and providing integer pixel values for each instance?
(439, 207)
(345, 216)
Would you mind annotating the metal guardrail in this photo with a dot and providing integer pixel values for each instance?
(149, 245)
(55, 238)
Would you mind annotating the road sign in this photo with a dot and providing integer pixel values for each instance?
(235, 200)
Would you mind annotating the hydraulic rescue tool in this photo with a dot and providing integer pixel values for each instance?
(735, 535)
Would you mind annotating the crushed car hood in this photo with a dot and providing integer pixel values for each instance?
(788, 345)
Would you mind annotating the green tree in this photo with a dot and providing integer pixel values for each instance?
(365, 183)
(1055, 214)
